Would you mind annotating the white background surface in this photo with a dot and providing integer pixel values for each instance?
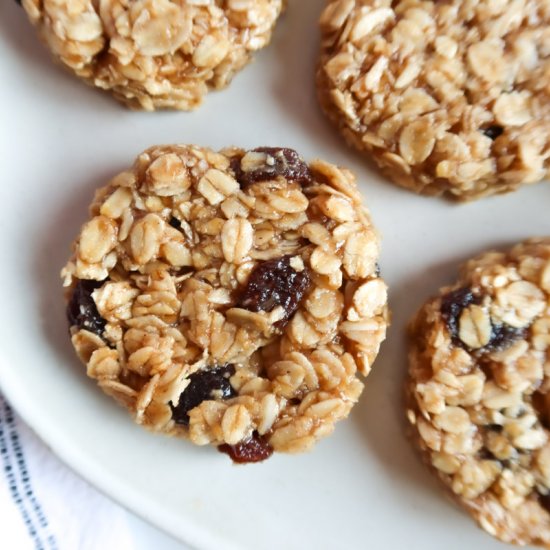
(148, 537)
(364, 486)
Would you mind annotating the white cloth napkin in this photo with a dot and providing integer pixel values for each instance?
(44, 506)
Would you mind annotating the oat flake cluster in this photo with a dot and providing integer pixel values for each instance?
(447, 97)
(229, 297)
(479, 390)
(154, 54)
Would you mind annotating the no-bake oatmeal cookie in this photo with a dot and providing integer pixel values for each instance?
(447, 97)
(479, 390)
(154, 54)
(230, 297)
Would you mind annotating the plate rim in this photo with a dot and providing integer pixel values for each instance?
(114, 489)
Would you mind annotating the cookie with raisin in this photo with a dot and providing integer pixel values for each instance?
(478, 390)
(448, 98)
(232, 297)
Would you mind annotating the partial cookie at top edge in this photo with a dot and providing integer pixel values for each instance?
(155, 54)
(478, 390)
(447, 97)
(230, 297)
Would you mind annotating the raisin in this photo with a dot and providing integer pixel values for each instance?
(493, 131)
(452, 305)
(275, 283)
(503, 336)
(544, 501)
(82, 311)
(175, 223)
(203, 385)
(280, 162)
(254, 449)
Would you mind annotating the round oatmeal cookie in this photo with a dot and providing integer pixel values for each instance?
(231, 298)
(155, 54)
(479, 390)
(447, 97)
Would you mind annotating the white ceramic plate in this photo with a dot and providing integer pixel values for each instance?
(364, 486)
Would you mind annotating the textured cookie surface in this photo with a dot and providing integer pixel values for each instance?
(479, 390)
(154, 54)
(229, 297)
(447, 97)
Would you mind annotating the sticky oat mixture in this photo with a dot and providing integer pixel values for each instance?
(448, 97)
(229, 297)
(154, 54)
(478, 390)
